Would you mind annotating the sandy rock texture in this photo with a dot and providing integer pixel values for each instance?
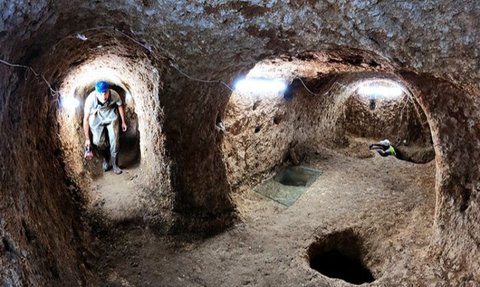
(431, 46)
(385, 220)
(321, 108)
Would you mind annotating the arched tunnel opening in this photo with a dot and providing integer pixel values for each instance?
(326, 127)
(129, 142)
(384, 108)
(121, 198)
(320, 87)
(325, 104)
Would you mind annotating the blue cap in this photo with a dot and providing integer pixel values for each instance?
(101, 87)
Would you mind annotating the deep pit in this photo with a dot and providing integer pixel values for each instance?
(340, 255)
(335, 264)
(185, 212)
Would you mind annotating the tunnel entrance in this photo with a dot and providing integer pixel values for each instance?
(339, 256)
(381, 107)
(116, 197)
(129, 141)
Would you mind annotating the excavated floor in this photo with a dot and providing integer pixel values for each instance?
(387, 203)
(116, 197)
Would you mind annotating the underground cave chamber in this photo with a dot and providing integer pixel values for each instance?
(333, 111)
(322, 106)
(193, 154)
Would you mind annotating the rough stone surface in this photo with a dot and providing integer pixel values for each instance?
(44, 240)
(431, 45)
(262, 131)
(142, 85)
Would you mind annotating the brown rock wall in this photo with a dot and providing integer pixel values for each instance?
(217, 42)
(202, 193)
(397, 119)
(43, 238)
(452, 114)
(259, 132)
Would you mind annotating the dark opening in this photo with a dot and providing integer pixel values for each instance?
(334, 264)
(28, 232)
(339, 255)
(6, 245)
(297, 176)
(129, 150)
(372, 103)
(277, 119)
(256, 104)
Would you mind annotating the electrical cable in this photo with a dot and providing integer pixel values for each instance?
(200, 80)
(81, 36)
(28, 68)
(306, 88)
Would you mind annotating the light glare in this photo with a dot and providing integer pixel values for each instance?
(260, 86)
(70, 103)
(380, 90)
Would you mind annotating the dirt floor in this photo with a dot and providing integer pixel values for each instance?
(388, 204)
(115, 196)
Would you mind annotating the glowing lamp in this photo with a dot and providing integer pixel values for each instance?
(380, 89)
(259, 85)
(69, 103)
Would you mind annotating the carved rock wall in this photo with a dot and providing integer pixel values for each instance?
(434, 45)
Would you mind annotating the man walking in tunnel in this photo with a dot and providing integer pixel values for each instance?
(101, 117)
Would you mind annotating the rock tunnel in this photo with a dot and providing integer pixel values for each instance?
(185, 211)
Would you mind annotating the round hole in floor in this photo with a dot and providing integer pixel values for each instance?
(340, 255)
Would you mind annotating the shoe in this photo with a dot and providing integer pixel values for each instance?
(116, 168)
(105, 165)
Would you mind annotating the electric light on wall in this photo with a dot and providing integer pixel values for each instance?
(69, 103)
(380, 89)
(260, 85)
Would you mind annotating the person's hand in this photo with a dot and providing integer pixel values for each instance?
(88, 151)
(124, 127)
